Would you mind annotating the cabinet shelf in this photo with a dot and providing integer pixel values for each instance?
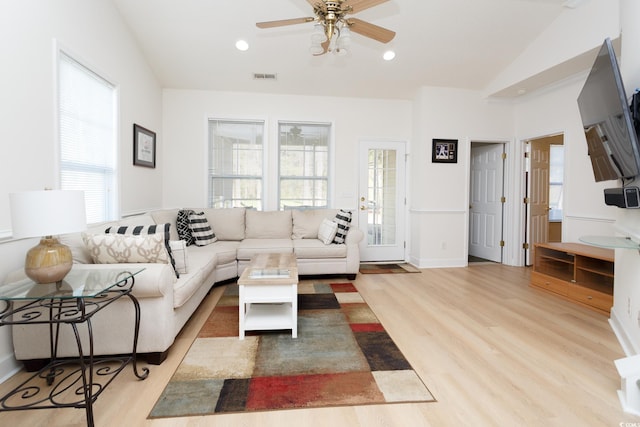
(581, 273)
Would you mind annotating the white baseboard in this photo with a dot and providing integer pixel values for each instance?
(438, 263)
(627, 344)
(9, 366)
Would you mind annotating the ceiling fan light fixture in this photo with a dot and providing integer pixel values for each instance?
(344, 38)
(316, 49)
(318, 36)
(341, 51)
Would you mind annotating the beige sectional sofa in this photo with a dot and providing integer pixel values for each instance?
(167, 301)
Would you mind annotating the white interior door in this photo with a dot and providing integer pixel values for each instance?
(485, 201)
(382, 201)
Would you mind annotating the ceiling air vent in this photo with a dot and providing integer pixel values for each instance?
(264, 76)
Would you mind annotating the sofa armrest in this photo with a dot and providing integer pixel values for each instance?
(354, 236)
(157, 280)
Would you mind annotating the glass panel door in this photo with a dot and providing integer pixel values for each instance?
(382, 201)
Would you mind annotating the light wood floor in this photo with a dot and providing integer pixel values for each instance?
(493, 351)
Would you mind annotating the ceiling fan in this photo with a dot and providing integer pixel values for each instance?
(333, 28)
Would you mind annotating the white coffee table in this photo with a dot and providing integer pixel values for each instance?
(268, 297)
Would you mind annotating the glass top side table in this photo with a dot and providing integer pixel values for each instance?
(611, 242)
(76, 382)
(77, 284)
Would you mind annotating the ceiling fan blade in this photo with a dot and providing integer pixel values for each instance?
(283, 22)
(360, 5)
(370, 30)
(317, 3)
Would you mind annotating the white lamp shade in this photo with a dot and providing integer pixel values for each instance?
(47, 213)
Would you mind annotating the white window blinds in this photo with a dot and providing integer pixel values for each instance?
(304, 164)
(87, 133)
(236, 154)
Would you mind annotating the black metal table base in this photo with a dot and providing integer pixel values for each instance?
(70, 382)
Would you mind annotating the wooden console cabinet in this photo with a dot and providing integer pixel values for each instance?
(577, 272)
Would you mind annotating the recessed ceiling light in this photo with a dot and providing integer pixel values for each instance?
(242, 45)
(389, 55)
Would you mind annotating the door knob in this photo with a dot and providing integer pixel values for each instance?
(363, 208)
(362, 199)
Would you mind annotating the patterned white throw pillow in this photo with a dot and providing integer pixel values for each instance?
(327, 231)
(343, 219)
(182, 222)
(141, 230)
(200, 230)
(119, 248)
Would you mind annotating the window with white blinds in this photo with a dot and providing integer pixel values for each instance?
(88, 135)
(236, 154)
(304, 164)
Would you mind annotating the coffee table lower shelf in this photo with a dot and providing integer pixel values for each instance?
(270, 316)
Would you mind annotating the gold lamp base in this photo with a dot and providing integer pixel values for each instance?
(49, 261)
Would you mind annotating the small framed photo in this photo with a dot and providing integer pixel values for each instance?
(144, 147)
(444, 151)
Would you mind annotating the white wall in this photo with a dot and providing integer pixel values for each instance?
(185, 131)
(93, 32)
(440, 196)
(625, 316)
(573, 33)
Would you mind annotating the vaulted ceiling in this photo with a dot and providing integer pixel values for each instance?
(190, 44)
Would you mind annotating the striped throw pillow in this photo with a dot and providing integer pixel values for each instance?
(201, 230)
(343, 219)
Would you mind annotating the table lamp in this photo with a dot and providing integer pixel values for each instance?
(47, 213)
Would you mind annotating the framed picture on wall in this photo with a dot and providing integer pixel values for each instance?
(444, 151)
(144, 147)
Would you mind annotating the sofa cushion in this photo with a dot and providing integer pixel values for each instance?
(251, 247)
(306, 222)
(201, 231)
(120, 248)
(343, 219)
(225, 251)
(202, 263)
(268, 224)
(315, 249)
(182, 224)
(167, 216)
(327, 231)
(227, 223)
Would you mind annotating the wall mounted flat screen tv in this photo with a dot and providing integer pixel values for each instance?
(608, 124)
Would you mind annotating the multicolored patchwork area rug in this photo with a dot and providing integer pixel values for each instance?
(342, 356)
